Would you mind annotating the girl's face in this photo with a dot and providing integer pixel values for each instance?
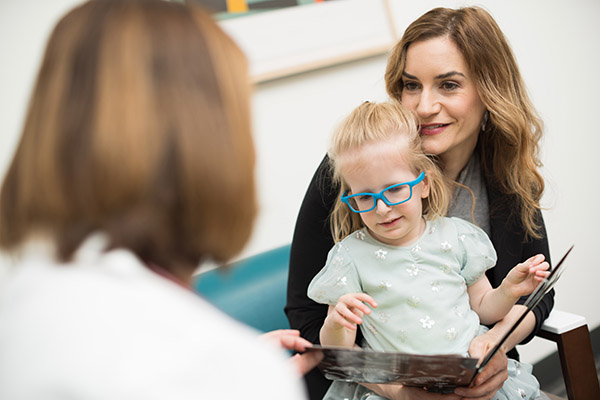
(374, 167)
(438, 85)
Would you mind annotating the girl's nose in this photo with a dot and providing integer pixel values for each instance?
(381, 207)
(428, 104)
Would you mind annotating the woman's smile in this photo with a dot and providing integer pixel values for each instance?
(433, 129)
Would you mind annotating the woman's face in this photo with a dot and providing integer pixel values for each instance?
(438, 85)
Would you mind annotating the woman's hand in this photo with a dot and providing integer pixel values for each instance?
(492, 377)
(290, 339)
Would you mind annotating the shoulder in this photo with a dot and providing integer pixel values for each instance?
(465, 227)
(454, 226)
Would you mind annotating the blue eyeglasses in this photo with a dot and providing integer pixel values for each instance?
(392, 196)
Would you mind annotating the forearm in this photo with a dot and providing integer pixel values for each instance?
(333, 334)
(521, 332)
(495, 304)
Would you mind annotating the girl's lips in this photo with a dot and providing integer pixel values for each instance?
(433, 129)
(390, 222)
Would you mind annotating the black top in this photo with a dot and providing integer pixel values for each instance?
(313, 240)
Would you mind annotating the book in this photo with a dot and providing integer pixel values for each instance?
(437, 373)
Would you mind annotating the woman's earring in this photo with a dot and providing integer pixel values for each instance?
(484, 121)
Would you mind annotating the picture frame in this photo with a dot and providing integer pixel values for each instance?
(301, 38)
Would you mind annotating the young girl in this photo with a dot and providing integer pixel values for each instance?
(423, 275)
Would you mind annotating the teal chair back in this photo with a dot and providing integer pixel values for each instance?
(252, 290)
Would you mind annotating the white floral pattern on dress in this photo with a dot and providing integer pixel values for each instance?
(436, 287)
(320, 294)
(413, 301)
(416, 249)
(451, 333)
(360, 235)
(385, 285)
(427, 322)
(341, 281)
(403, 335)
(446, 247)
(413, 270)
(337, 261)
(460, 312)
(380, 254)
(384, 317)
(373, 329)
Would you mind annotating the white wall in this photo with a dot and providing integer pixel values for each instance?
(555, 42)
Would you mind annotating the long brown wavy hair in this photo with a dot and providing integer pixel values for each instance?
(509, 144)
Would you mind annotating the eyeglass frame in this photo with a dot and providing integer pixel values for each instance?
(379, 196)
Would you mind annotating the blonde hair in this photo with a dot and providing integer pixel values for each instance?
(139, 127)
(509, 145)
(372, 122)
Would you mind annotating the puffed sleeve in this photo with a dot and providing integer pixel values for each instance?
(477, 250)
(338, 277)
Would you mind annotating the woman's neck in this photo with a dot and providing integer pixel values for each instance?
(454, 162)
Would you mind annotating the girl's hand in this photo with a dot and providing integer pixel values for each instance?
(525, 277)
(349, 310)
(491, 379)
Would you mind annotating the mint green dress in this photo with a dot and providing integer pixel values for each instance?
(421, 292)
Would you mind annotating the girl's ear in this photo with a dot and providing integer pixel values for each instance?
(425, 191)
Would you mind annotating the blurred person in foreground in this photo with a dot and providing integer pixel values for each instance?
(135, 164)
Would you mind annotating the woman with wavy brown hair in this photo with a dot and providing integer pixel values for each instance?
(135, 164)
(455, 70)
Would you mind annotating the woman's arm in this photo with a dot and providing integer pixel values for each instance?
(539, 314)
(524, 329)
(512, 247)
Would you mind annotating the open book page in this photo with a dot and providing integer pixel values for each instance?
(364, 365)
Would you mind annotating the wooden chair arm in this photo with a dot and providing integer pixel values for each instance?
(570, 333)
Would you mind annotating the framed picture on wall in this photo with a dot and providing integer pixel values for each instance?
(285, 37)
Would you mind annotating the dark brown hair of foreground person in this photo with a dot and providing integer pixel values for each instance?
(509, 146)
(138, 126)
